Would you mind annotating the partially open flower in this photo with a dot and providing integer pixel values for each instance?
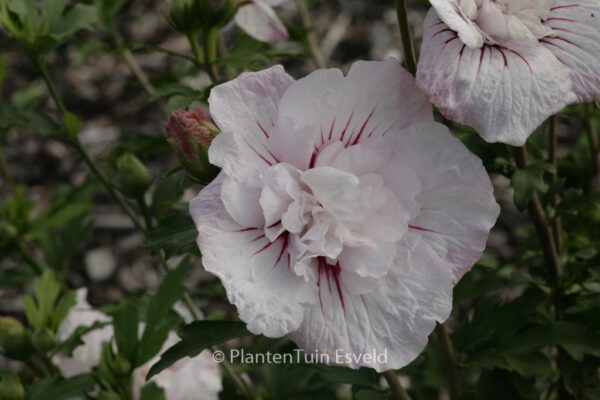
(259, 20)
(344, 214)
(191, 133)
(88, 354)
(188, 379)
(505, 66)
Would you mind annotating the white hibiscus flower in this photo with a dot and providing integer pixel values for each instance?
(197, 378)
(343, 215)
(504, 66)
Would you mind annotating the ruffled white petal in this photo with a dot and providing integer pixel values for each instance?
(254, 271)
(261, 22)
(455, 15)
(245, 110)
(392, 322)
(504, 94)
(446, 237)
(374, 98)
(457, 205)
(577, 43)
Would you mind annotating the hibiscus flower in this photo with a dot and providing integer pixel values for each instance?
(504, 66)
(189, 379)
(343, 214)
(259, 20)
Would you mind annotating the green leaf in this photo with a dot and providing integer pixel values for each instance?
(55, 389)
(292, 381)
(168, 191)
(66, 302)
(334, 374)
(2, 70)
(78, 17)
(527, 181)
(365, 394)
(160, 321)
(126, 324)
(503, 385)
(152, 392)
(196, 337)
(75, 340)
(39, 308)
(529, 363)
(34, 316)
(577, 340)
(175, 234)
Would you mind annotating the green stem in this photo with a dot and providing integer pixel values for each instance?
(106, 183)
(407, 44)
(137, 71)
(145, 212)
(41, 66)
(5, 171)
(538, 215)
(592, 138)
(552, 262)
(193, 39)
(125, 207)
(553, 160)
(166, 51)
(133, 65)
(28, 257)
(211, 51)
(454, 377)
(398, 392)
(311, 37)
(74, 141)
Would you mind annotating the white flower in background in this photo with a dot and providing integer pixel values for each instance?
(505, 66)
(343, 214)
(87, 355)
(259, 20)
(197, 378)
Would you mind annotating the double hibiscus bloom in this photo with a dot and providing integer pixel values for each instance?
(344, 215)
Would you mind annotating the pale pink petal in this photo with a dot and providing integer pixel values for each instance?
(241, 202)
(457, 206)
(577, 43)
(245, 110)
(261, 22)
(87, 355)
(254, 271)
(275, 3)
(503, 94)
(197, 378)
(392, 322)
(453, 14)
(374, 98)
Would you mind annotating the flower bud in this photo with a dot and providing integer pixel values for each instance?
(13, 338)
(190, 133)
(188, 16)
(43, 340)
(122, 366)
(11, 388)
(225, 12)
(132, 176)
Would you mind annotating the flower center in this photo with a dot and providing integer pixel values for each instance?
(510, 23)
(327, 219)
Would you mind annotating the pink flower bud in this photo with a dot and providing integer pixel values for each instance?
(191, 133)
